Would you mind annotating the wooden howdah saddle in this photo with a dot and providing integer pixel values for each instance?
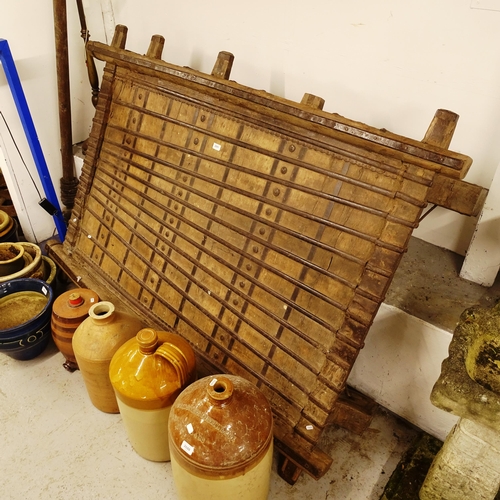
(266, 232)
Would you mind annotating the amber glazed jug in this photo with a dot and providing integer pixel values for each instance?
(147, 374)
(95, 342)
(68, 312)
(221, 440)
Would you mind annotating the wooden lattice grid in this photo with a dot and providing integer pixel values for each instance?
(263, 231)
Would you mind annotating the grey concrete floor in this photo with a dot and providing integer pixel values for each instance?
(427, 285)
(56, 445)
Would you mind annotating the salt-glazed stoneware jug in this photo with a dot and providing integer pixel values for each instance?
(95, 342)
(70, 309)
(221, 440)
(147, 373)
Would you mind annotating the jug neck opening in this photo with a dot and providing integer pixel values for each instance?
(102, 312)
(147, 339)
(220, 390)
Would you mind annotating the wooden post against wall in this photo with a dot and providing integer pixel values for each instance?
(69, 182)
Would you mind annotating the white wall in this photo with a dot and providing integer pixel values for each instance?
(387, 63)
(400, 364)
(28, 27)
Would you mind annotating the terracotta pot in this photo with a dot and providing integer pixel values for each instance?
(70, 309)
(25, 308)
(221, 440)
(95, 342)
(147, 374)
(11, 258)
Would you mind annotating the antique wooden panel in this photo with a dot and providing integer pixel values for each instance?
(265, 232)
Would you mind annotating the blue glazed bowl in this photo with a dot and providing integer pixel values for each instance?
(28, 339)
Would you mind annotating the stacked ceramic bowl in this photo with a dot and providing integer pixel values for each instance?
(25, 260)
(25, 312)
(8, 227)
(27, 282)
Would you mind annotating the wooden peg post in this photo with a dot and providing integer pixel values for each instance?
(441, 129)
(312, 101)
(223, 65)
(156, 47)
(120, 37)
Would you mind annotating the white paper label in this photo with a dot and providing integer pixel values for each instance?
(189, 428)
(216, 146)
(187, 447)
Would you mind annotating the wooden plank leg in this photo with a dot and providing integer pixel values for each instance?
(287, 470)
(353, 411)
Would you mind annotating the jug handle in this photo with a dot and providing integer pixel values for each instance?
(177, 359)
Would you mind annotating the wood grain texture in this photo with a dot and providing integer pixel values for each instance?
(263, 231)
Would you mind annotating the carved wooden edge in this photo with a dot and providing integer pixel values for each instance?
(96, 137)
(80, 277)
(428, 155)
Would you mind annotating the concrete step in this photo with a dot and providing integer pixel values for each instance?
(411, 333)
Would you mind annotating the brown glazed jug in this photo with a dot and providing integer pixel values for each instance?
(68, 311)
(221, 440)
(147, 373)
(95, 342)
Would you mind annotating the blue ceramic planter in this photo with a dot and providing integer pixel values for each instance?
(29, 339)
